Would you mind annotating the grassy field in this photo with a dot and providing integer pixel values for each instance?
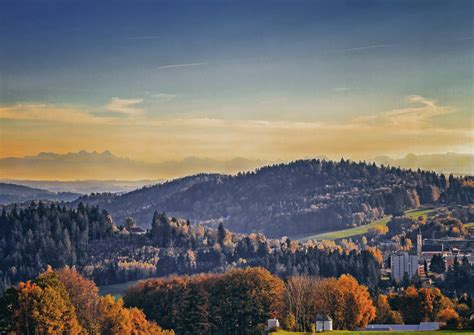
(346, 233)
(346, 332)
(357, 231)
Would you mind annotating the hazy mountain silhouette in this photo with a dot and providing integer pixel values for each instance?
(447, 163)
(107, 166)
(11, 193)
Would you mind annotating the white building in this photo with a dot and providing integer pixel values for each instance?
(423, 326)
(419, 245)
(402, 263)
(272, 324)
(323, 323)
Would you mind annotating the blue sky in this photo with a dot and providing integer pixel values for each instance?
(316, 62)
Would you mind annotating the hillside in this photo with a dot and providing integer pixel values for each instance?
(12, 193)
(84, 186)
(303, 197)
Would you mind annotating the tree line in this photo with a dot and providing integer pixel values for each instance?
(294, 199)
(240, 301)
(35, 236)
(63, 302)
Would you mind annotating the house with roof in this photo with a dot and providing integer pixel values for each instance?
(323, 322)
(136, 231)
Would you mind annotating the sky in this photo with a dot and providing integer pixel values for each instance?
(269, 80)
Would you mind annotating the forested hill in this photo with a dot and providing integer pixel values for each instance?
(12, 193)
(301, 197)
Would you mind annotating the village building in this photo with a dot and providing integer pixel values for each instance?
(403, 263)
(323, 323)
(136, 231)
(272, 324)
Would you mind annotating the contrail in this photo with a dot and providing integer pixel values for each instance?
(180, 65)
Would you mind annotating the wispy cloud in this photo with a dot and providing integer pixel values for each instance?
(46, 112)
(368, 47)
(465, 38)
(341, 89)
(172, 66)
(125, 106)
(163, 97)
(419, 115)
(408, 128)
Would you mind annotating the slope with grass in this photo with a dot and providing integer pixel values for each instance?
(361, 230)
(300, 198)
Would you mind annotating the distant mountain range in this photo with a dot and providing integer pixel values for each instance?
(88, 168)
(106, 166)
(10, 193)
(84, 186)
(447, 163)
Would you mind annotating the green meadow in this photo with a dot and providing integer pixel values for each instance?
(361, 230)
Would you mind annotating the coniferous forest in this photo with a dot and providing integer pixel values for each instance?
(294, 199)
(205, 268)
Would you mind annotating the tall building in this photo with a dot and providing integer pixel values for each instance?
(402, 263)
(419, 246)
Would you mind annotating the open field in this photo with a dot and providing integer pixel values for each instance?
(347, 332)
(357, 231)
(346, 233)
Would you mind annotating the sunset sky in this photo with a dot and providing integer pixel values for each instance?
(163, 80)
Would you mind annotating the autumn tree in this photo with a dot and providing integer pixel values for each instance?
(239, 301)
(47, 305)
(43, 306)
(384, 313)
(84, 296)
(346, 301)
(419, 305)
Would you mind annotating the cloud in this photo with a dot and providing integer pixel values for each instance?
(163, 97)
(172, 66)
(341, 89)
(46, 112)
(368, 47)
(419, 116)
(410, 128)
(125, 106)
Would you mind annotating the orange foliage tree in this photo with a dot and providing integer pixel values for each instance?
(63, 302)
(346, 301)
(239, 301)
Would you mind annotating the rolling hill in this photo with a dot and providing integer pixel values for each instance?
(294, 199)
(12, 193)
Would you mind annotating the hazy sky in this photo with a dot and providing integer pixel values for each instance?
(161, 80)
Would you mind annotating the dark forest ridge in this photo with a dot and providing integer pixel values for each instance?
(305, 196)
(84, 186)
(12, 193)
